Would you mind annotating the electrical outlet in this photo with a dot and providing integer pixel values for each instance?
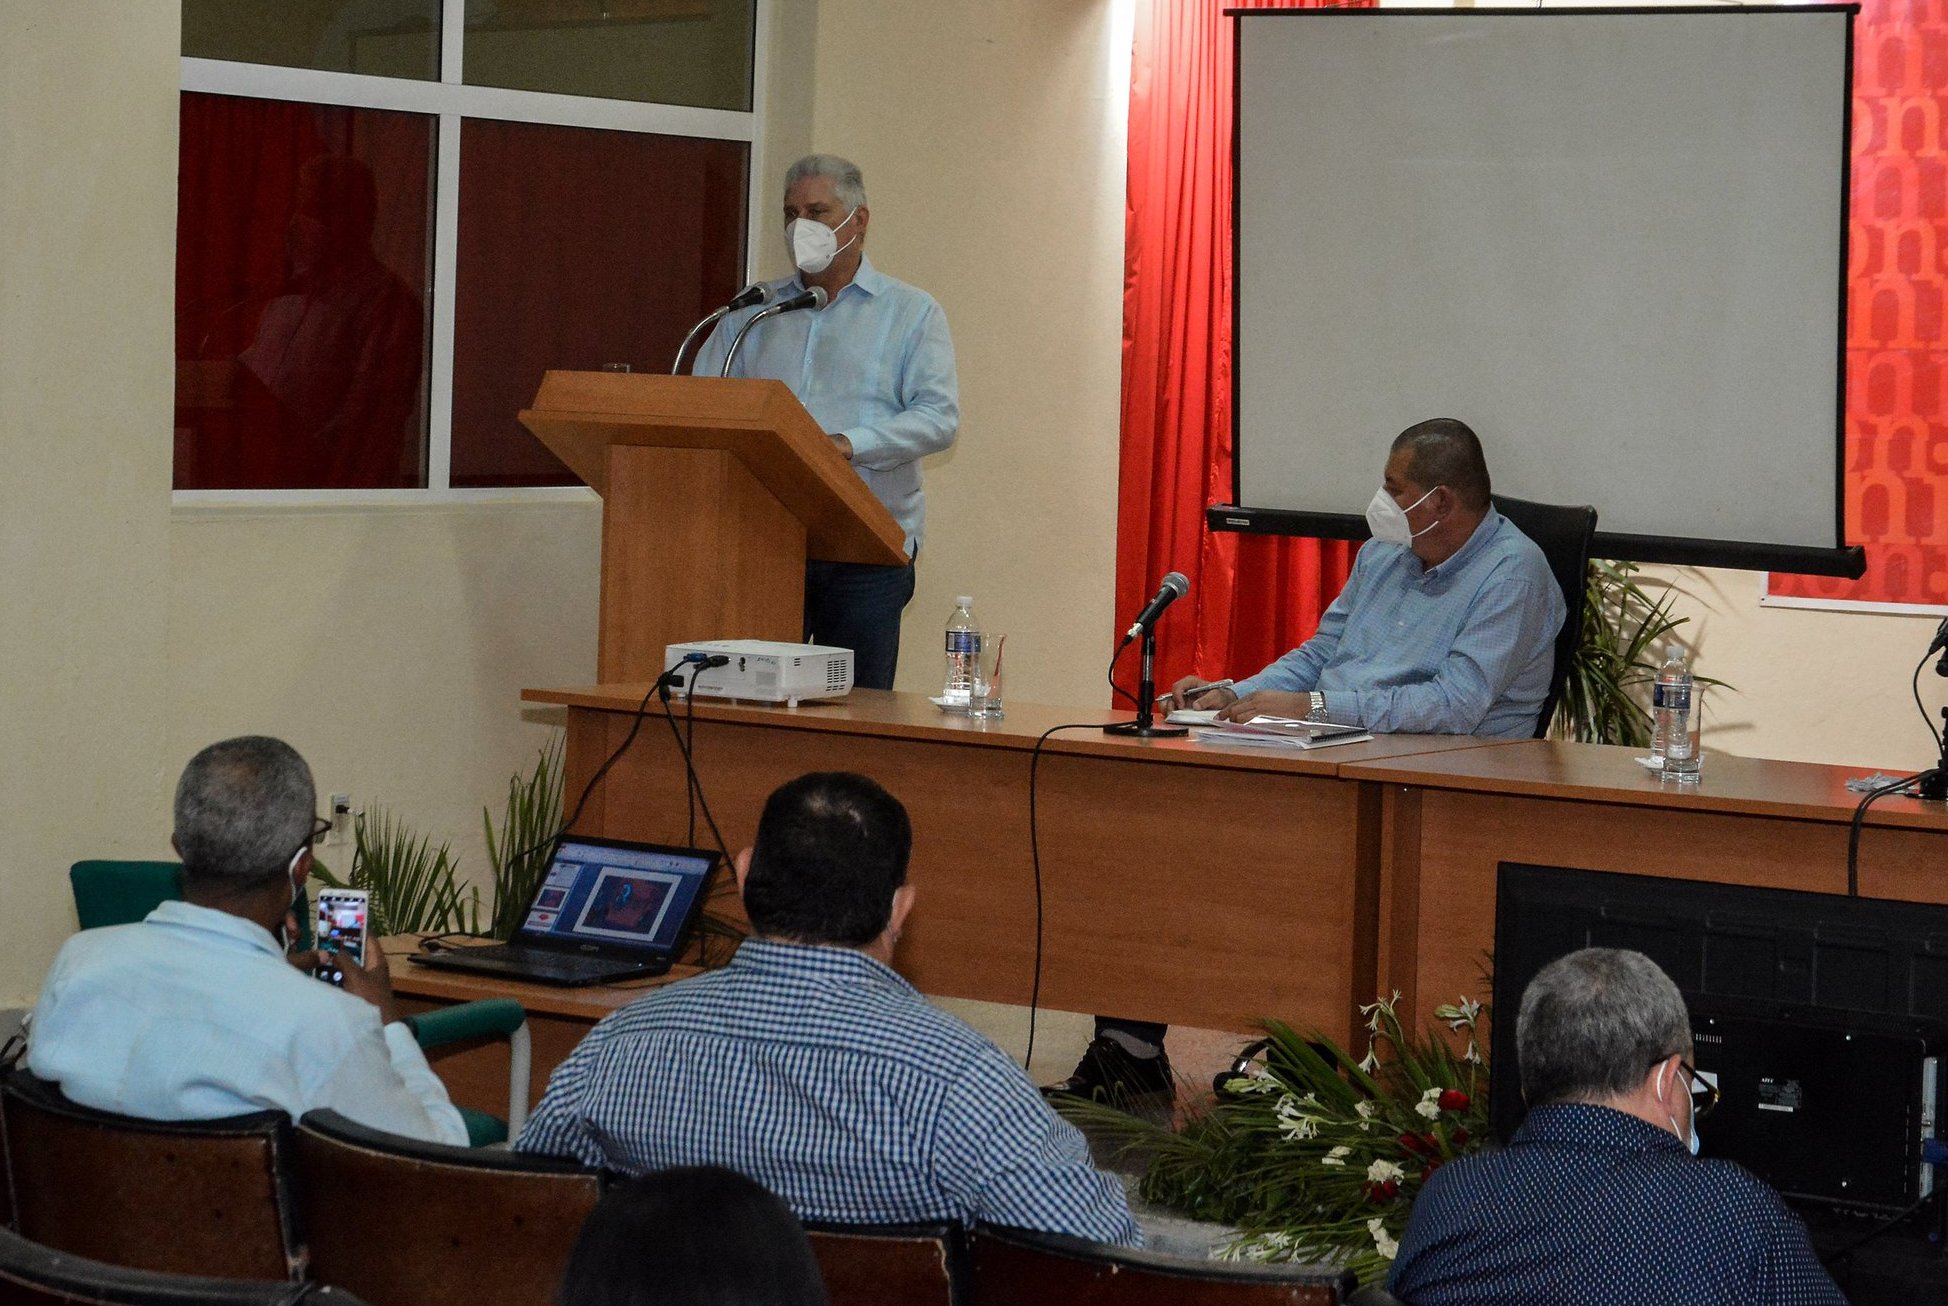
(341, 821)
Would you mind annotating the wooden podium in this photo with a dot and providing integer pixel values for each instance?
(714, 493)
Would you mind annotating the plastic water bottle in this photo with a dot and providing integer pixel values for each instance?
(963, 650)
(1670, 702)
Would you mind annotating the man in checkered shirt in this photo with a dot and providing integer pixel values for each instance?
(808, 1064)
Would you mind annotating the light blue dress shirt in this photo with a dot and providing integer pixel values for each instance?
(875, 365)
(827, 1078)
(194, 1014)
(1465, 648)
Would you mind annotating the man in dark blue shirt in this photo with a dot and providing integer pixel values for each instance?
(1599, 1199)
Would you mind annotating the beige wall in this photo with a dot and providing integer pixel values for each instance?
(88, 205)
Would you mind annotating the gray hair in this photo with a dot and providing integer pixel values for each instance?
(243, 807)
(1446, 451)
(847, 183)
(1593, 1023)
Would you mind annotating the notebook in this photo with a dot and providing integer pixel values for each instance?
(606, 910)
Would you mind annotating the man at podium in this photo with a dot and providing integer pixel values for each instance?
(875, 368)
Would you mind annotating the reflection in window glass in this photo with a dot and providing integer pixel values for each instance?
(301, 305)
(692, 52)
(382, 38)
(578, 249)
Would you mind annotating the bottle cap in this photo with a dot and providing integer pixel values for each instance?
(963, 600)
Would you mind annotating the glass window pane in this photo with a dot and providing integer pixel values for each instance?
(694, 52)
(578, 248)
(385, 38)
(302, 262)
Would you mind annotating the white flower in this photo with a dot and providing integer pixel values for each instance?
(1473, 1055)
(1458, 1014)
(1381, 1172)
(1251, 1084)
(1294, 1122)
(1371, 1062)
(1383, 1242)
(1366, 1109)
(1336, 1157)
(1375, 1011)
(1430, 1104)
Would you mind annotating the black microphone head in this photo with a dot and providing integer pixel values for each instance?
(819, 297)
(1176, 584)
(755, 293)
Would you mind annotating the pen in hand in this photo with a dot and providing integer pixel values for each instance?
(1196, 691)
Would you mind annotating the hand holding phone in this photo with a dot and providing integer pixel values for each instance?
(343, 915)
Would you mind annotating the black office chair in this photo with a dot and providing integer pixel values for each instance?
(1562, 532)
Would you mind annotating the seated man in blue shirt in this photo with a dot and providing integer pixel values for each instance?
(810, 1066)
(1447, 625)
(196, 1013)
(1599, 1199)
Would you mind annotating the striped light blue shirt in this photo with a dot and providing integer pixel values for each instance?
(827, 1078)
(1465, 648)
(876, 365)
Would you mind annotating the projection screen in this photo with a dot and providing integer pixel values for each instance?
(1613, 242)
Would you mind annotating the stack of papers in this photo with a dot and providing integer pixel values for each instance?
(1275, 731)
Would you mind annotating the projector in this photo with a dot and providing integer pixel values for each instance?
(765, 670)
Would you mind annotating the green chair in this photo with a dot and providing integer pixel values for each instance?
(122, 892)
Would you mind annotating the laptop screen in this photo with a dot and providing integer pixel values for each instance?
(619, 895)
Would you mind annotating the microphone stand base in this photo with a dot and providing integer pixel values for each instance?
(1145, 730)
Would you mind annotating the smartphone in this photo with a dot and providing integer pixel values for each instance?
(342, 917)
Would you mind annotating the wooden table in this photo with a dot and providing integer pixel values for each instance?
(475, 1074)
(1186, 882)
(1449, 819)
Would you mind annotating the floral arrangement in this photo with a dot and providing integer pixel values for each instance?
(1311, 1155)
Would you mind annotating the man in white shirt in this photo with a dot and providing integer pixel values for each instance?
(196, 1013)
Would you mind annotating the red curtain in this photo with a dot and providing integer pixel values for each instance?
(1897, 326)
(1252, 597)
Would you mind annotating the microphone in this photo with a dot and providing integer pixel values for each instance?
(1174, 588)
(1940, 642)
(813, 298)
(755, 293)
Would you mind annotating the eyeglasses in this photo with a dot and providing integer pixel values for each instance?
(320, 827)
(1704, 1093)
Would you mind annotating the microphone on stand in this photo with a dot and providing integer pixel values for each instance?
(814, 299)
(755, 293)
(1145, 727)
(1174, 588)
(1940, 642)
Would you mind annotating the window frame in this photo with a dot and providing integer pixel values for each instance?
(449, 101)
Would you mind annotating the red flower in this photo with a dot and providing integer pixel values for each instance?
(1384, 1192)
(1453, 1099)
(1419, 1145)
(1459, 1137)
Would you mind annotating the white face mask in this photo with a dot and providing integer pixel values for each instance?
(1388, 520)
(813, 244)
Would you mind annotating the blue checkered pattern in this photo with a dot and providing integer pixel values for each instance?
(1464, 648)
(823, 1075)
(1591, 1207)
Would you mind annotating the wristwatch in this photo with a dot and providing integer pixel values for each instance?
(1318, 712)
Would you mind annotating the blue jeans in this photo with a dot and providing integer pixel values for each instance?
(857, 606)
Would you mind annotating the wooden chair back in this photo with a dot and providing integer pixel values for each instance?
(1028, 1268)
(913, 1264)
(33, 1275)
(395, 1220)
(188, 1197)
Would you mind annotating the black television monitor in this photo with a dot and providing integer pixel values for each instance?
(1820, 1017)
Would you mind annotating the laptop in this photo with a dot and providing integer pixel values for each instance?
(606, 910)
